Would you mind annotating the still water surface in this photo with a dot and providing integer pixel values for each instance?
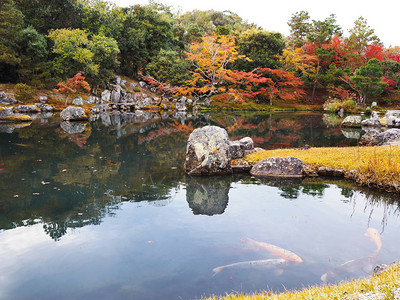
(107, 213)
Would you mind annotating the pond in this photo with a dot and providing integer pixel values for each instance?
(108, 213)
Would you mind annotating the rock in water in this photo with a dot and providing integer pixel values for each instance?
(279, 167)
(207, 152)
(352, 121)
(72, 113)
(388, 137)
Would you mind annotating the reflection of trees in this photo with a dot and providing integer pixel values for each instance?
(375, 199)
(208, 196)
(135, 158)
(282, 130)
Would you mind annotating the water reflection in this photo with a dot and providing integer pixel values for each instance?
(207, 196)
(123, 173)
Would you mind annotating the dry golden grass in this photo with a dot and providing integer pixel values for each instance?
(375, 287)
(377, 166)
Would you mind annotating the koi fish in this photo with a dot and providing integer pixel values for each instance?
(264, 263)
(275, 250)
(375, 237)
(349, 268)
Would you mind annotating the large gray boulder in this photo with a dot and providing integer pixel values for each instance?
(388, 137)
(352, 121)
(72, 113)
(279, 167)
(369, 135)
(208, 152)
(393, 121)
(372, 122)
(392, 113)
(6, 99)
(106, 95)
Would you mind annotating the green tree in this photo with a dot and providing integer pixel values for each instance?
(105, 51)
(102, 17)
(32, 47)
(11, 20)
(167, 67)
(321, 32)
(262, 47)
(73, 56)
(145, 31)
(96, 57)
(44, 15)
(367, 81)
(300, 26)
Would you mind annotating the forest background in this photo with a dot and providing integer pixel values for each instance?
(198, 54)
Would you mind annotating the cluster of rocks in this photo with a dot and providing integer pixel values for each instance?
(121, 98)
(210, 152)
(18, 114)
(377, 131)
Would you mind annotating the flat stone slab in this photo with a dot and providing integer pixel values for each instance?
(279, 167)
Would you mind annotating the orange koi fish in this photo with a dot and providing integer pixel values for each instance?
(264, 263)
(375, 237)
(275, 250)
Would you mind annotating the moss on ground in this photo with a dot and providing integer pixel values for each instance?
(383, 286)
(377, 166)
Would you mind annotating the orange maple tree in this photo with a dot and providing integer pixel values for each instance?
(72, 86)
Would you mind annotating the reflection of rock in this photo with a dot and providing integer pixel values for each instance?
(352, 133)
(279, 167)
(388, 137)
(206, 196)
(207, 152)
(9, 128)
(352, 121)
(73, 127)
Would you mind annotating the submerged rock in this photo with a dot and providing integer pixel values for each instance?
(208, 152)
(352, 121)
(72, 113)
(279, 167)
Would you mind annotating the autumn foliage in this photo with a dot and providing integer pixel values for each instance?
(72, 86)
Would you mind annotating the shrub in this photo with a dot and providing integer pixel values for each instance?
(24, 92)
(136, 89)
(368, 111)
(334, 105)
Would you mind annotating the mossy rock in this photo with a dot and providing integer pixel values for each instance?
(16, 119)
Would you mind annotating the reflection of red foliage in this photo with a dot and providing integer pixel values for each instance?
(162, 131)
(289, 124)
(80, 139)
